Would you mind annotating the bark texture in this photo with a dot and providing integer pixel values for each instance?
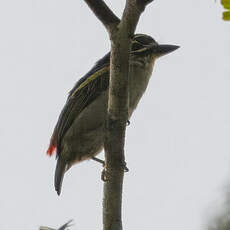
(120, 32)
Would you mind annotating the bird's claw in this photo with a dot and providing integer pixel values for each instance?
(128, 122)
(125, 167)
(103, 173)
(104, 177)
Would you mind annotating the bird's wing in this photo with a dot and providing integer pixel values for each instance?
(84, 92)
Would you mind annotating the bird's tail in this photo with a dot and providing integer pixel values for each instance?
(61, 168)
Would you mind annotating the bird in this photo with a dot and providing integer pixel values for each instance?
(63, 227)
(79, 132)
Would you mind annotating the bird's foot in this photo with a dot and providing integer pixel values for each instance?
(128, 122)
(103, 173)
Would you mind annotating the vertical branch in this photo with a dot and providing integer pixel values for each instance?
(120, 33)
(118, 114)
(115, 132)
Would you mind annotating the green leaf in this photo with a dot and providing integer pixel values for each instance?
(226, 4)
(226, 16)
(223, 2)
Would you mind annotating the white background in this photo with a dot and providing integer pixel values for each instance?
(177, 146)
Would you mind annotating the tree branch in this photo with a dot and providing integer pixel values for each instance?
(117, 104)
(103, 13)
(143, 3)
(118, 115)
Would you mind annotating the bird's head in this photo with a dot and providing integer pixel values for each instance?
(144, 45)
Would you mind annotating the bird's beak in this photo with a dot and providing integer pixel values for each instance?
(156, 50)
(161, 50)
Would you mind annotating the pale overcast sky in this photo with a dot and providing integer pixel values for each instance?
(177, 146)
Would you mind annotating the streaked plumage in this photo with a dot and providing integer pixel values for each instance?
(78, 134)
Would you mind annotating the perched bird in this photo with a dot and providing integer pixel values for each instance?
(78, 134)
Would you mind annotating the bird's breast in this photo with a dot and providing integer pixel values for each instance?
(140, 73)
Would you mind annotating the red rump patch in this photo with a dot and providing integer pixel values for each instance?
(51, 150)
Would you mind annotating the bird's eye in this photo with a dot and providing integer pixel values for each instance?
(144, 39)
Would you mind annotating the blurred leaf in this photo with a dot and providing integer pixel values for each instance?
(227, 7)
(226, 4)
(226, 16)
(221, 221)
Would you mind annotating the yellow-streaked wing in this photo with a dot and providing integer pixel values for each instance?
(79, 98)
